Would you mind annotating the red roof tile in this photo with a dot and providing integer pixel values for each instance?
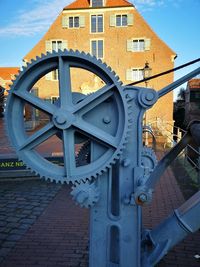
(7, 72)
(86, 4)
(194, 83)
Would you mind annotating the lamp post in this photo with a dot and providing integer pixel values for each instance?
(146, 74)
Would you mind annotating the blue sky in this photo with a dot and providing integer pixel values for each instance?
(23, 23)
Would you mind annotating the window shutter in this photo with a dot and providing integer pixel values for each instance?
(48, 45)
(112, 20)
(82, 21)
(48, 76)
(147, 44)
(130, 19)
(129, 45)
(129, 74)
(64, 44)
(65, 22)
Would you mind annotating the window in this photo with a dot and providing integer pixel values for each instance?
(55, 75)
(54, 45)
(73, 22)
(97, 48)
(121, 20)
(137, 74)
(97, 3)
(138, 45)
(54, 99)
(134, 74)
(97, 23)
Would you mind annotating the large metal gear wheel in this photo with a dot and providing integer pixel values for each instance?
(86, 117)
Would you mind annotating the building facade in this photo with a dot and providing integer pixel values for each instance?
(7, 74)
(115, 32)
(192, 101)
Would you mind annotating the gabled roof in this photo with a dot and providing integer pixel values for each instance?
(79, 4)
(6, 73)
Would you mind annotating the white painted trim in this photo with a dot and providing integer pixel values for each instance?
(97, 39)
(96, 14)
(97, 10)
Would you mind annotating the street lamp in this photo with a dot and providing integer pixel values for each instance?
(146, 72)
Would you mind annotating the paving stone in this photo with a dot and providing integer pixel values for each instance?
(13, 237)
(3, 236)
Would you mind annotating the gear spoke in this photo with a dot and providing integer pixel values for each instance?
(38, 137)
(100, 118)
(94, 100)
(68, 151)
(64, 84)
(96, 133)
(35, 101)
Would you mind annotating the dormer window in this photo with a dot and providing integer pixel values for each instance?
(97, 3)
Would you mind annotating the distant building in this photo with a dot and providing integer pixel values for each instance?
(7, 74)
(115, 32)
(192, 100)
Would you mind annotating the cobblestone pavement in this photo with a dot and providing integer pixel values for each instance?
(59, 236)
(21, 203)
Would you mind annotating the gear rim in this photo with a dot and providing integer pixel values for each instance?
(31, 158)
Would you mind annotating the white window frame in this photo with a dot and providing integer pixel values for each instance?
(140, 75)
(65, 21)
(49, 48)
(95, 14)
(147, 44)
(73, 18)
(113, 19)
(96, 39)
(121, 15)
(131, 77)
(138, 47)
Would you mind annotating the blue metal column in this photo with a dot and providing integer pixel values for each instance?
(115, 221)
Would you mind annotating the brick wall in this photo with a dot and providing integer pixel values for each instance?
(160, 56)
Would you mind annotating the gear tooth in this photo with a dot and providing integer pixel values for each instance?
(100, 170)
(114, 73)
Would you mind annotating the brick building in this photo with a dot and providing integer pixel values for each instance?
(7, 74)
(115, 32)
(192, 100)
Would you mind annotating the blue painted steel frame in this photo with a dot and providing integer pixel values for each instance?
(116, 235)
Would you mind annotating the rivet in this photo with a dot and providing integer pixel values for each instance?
(106, 119)
(126, 162)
